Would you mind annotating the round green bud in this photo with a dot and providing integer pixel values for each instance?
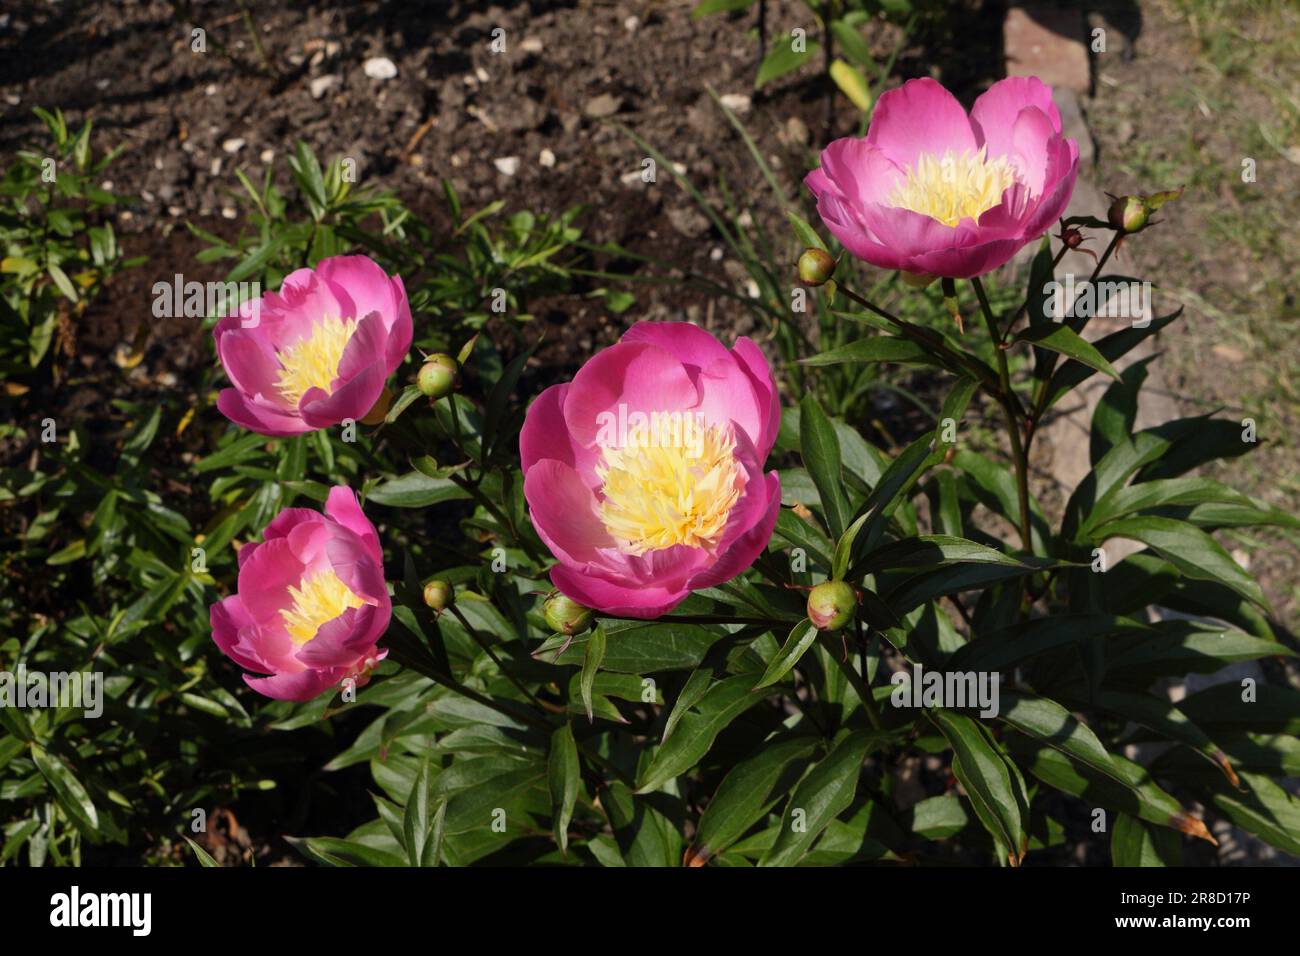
(565, 615)
(831, 605)
(439, 376)
(1129, 214)
(439, 595)
(816, 267)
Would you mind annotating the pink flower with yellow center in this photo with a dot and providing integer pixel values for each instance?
(933, 192)
(317, 352)
(644, 475)
(310, 604)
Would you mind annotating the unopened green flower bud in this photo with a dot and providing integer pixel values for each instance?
(565, 615)
(816, 267)
(439, 595)
(439, 376)
(1128, 214)
(832, 605)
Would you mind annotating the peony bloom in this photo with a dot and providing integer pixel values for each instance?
(644, 474)
(318, 351)
(933, 192)
(311, 601)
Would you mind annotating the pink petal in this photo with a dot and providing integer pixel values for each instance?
(860, 172)
(564, 514)
(300, 686)
(342, 505)
(920, 117)
(755, 363)
(352, 400)
(685, 341)
(366, 347)
(994, 115)
(744, 550)
(635, 601)
(265, 579)
(366, 284)
(401, 330)
(546, 435)
(341, 641)
(252, 368)
(256, 418)
(644, 378)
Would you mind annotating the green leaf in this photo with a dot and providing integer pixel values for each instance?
(591, 665)
(1264, 808)
(563, 777)
(1158, 714)
(72, 796)
(803, 534)
(1065, 341)
(782, 58)
(878, 348)
(694, 735)
(415, 490)
(748, 792)
(852, 83)
(706, 7)
(1113, 418)
(1049, 722)
(1135, 843)
(1188, 548)
(417, 821)
(929, 551)
(1139, 795)
(825, 792)
(1112, 347)
(334, 852)
(808, 237)
(800, 639)
(852, 43)
(1161, 493)
(821, 456)
(202, 855)
(937, 818)
(983, 772)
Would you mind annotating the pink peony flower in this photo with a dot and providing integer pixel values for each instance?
(644, 474)
(933, 192)
(318, 351)
(311, 601)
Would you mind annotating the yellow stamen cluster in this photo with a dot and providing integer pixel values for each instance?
(954, 186)
(313, 361)
(318, 599)
(656, 496)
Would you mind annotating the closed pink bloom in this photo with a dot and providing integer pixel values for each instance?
(316, 352)
(934, 192)
(644, 475)
(311, 602)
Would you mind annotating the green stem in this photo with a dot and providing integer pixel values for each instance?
(1018, 455)
(487, 648)
(923, 337)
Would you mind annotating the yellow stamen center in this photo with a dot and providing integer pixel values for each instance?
(660, 495)
(313, 361)
(318, 599)
(954, 186)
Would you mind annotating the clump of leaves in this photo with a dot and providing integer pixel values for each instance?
(57, 245)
